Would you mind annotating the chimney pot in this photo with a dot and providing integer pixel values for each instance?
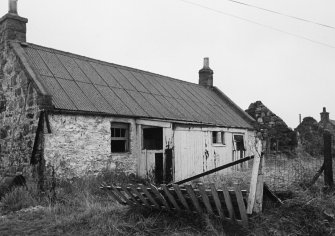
(324, 109)
(206, 62)
(12, 7)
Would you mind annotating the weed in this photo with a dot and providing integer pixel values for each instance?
(17, 199)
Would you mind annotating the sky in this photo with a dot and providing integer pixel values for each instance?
(291, 75)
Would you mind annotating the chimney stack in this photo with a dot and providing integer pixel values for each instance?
(12, 5)
(324, 115)
(12, 26)
(206, 75)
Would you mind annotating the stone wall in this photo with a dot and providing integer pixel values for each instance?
(19, 114)
(277, 134)
(81, 145)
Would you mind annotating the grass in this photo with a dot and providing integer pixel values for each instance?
(81, 208)
(303, 214)
(17, 199)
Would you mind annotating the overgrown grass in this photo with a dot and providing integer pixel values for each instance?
(81, 208)
(17, 199)
(308, 212)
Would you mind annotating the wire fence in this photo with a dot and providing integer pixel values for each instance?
(282, 172)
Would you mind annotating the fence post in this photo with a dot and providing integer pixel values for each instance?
(328, 162)
(255, 199)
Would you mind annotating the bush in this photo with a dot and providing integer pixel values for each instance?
(17, 199)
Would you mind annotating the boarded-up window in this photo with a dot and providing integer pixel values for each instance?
(119, 137)
(218, 137)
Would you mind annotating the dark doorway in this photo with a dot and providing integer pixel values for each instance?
(168, 166)
(159, 175)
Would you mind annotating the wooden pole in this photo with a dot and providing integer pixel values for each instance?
(255, 199)
(328, 162)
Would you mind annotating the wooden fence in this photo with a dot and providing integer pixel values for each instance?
(228, 204)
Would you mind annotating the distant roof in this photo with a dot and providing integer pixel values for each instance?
(333, 122)
(78, 83)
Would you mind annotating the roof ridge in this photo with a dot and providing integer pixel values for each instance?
(49, 49)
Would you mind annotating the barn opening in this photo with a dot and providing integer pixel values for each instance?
(152, 142)
(153, 138)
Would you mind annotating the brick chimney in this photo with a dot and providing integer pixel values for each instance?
(12, 26)
(206, 75)
(324, 116)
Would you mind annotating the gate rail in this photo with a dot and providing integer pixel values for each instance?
(228, 204)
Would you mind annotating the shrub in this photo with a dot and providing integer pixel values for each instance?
(17, 199)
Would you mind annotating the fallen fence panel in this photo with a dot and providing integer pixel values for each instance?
(224, 203)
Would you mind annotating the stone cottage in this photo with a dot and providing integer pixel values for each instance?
(65, 115)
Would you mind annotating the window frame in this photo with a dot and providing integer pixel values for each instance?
(234, 142)
(126, 138)
(223, 138)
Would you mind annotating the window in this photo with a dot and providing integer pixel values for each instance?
(218, 137)
(119, 137)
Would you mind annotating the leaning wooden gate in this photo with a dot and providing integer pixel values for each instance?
(229, 204)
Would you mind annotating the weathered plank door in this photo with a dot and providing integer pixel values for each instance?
(152, 153)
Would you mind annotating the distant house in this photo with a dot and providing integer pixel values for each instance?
(65, 115)
(310, 133)
(326, 123)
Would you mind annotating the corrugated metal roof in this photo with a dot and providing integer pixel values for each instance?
(78, 83)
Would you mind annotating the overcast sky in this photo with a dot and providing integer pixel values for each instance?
(289, 75)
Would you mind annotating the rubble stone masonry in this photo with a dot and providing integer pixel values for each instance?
(19, 113)
(81, 145)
